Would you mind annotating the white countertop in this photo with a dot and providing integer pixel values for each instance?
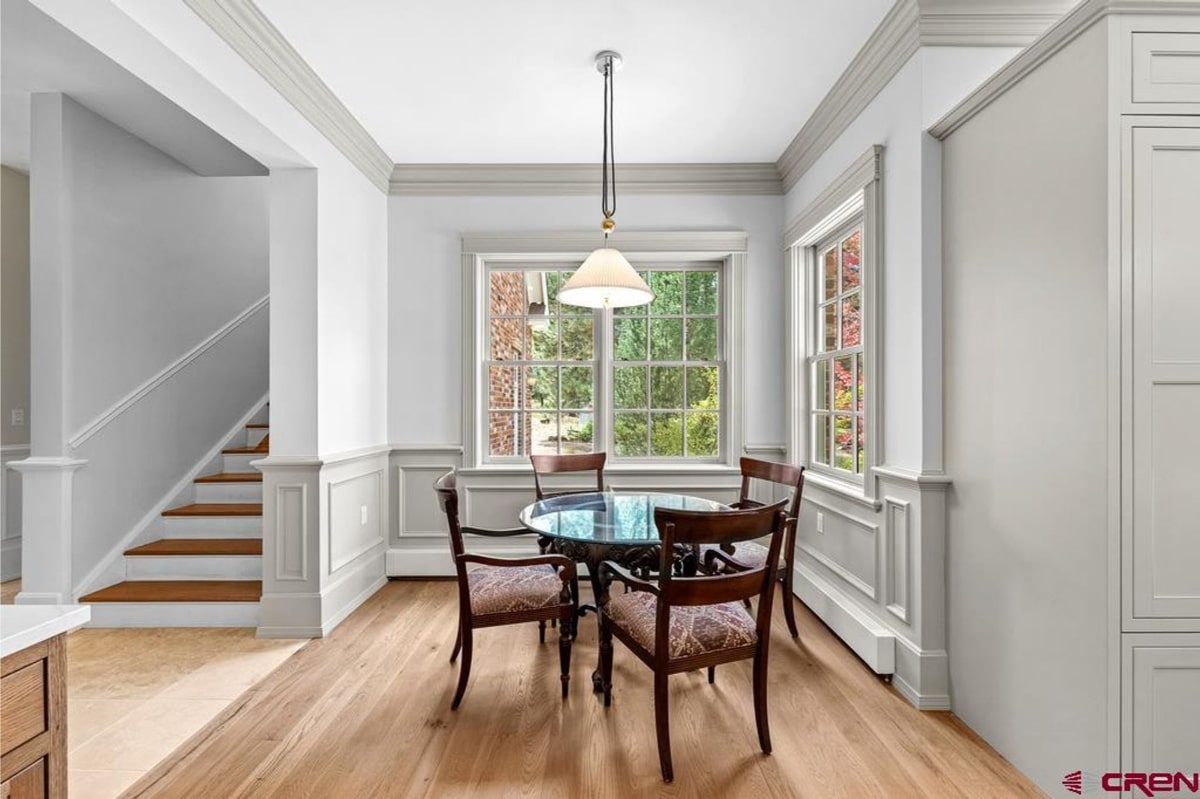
(22, 626)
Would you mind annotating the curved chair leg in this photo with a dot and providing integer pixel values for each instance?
(712, 674)
(789, 603)
(662, 725)
(542, 631)
(457, 644)
(760, 702)
(464, 669)
(606, 662)
(564, 654)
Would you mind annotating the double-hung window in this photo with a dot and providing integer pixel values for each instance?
(645, 384)
(837, 364)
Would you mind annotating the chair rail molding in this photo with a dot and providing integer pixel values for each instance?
(576, 179)
(119, 407)
(247, 30)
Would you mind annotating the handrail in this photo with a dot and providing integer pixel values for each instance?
(132, 398)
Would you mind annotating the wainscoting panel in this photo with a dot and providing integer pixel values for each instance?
(897, 555)
(291, 530)
(10, 501)
(848, 547)
(355, 506)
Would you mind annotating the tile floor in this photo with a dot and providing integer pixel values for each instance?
(134, 695)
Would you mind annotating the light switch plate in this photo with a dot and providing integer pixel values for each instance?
(820, 522)
(362, 513)
(17, 417)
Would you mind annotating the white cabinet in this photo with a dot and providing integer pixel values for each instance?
(1161, 702)
(1162, 408)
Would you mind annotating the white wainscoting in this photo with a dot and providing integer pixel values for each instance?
(324, 523)
(418, 543)
(876, 576)
(10, 516)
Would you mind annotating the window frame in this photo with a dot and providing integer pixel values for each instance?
(646, 249)
(855, 197)
(816, 353)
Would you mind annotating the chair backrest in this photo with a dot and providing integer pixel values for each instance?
(446, 487)
(771, 472)
(560, 464)
(691, 528)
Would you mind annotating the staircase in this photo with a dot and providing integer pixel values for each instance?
(206, 569)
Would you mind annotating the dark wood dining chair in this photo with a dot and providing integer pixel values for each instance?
(752, 554)
(494, 591)
(562, 464)
(676, 624)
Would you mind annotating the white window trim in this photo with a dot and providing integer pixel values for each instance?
(859, 190)
(725, 246)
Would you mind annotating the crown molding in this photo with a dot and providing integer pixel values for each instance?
(909, 25)
(570, 242)
(984, 29)
(252, 36)
(889, 47)
(1062, 33)
(571, 179)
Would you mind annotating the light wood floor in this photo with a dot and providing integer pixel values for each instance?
(366, 713)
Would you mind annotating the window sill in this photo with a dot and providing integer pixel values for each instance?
(851, 491)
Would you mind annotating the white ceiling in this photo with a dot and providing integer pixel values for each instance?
(39, 55)
(512, 81)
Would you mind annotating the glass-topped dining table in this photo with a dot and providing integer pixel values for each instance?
(594, 527)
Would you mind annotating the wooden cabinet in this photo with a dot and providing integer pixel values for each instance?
(33, 722)
(28, 783)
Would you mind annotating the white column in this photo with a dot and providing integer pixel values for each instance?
(46, 540)
(47, 475)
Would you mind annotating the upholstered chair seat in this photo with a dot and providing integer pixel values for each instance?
(693, 630)
(508, 589)
(748, 553)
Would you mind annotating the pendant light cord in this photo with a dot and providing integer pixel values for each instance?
(608, 180)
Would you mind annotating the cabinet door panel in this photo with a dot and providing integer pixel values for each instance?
(1162, 683)
(1165, 373)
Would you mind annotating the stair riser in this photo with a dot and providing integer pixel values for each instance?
(255, 435)
(228, 492)
(193, 567)
(212, 527)
(241, 463)
(174, 614)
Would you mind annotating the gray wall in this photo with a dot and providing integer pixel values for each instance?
(1025, 286)
(156, 260)
(14, 296)
(14, 359)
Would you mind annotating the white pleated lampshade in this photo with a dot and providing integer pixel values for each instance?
(605, 280)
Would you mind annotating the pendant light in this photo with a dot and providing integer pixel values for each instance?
(605, 279)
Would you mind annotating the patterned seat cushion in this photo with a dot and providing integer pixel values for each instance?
(751, 553)
(505, 589)
(694, 630)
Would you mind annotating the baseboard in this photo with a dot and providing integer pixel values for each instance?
(315, 615)
(111, 567)
(922, 676)
(353, 605)
(869, 639)
(30, 598)
(10, 558)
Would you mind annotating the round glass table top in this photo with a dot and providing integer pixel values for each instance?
(607, 518)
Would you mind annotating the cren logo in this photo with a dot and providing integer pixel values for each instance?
(1080, 782)
(1136, 783)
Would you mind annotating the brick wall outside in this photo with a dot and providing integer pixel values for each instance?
(508, 296)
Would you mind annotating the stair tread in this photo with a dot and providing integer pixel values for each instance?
(199, 546)
(178, 591)
(259, 450)
(258, 426)
(217, 509)
(231, 477)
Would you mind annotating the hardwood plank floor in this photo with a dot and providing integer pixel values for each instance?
(366, 712)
